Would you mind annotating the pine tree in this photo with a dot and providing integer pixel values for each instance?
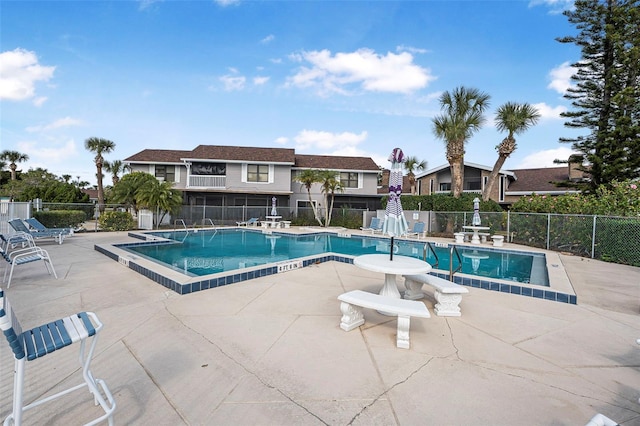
(607, 88)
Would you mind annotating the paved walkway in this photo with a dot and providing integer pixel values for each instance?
(270, 351)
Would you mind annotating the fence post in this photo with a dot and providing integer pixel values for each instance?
(593, 238)
(509, 240)
(548, 228)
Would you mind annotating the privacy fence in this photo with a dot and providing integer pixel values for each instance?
(613, 239)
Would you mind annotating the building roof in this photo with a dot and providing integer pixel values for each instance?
(335, 162)
(263, 155)
(539, 180)
(92, 193)
(157, 156)
(242, 153)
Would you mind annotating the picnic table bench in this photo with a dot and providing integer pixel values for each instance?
(352, 316)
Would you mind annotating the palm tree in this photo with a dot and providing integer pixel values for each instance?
(159, 196)
(412, 163)
(462, 117)
(514, 118)
(330, 184)
(126, 190)
(13, 157)
(307, 178)
(99, 146)
(116, 167)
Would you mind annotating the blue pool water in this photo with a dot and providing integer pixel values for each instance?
(210, 252)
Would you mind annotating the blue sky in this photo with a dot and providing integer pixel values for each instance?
(323, 77)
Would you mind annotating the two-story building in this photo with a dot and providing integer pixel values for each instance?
(215, 175)
(510, 186)
(476, 176)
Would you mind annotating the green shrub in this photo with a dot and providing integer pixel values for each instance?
(347, 218)
(116, 221)
(61, 218)
(444, 203)
(617, 199)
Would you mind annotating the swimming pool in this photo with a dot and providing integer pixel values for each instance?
(211, 252)
(170, 273)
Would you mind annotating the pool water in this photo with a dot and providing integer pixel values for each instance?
(210, 252)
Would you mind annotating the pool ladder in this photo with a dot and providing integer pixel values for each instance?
(453, 249)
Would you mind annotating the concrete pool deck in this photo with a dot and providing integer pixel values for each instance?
(270, 350)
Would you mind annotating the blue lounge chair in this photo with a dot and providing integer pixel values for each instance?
(24, 256)
(374, 226)
(417, 231)
(9, 242)
(251, 222)
(19, 226)
(39, 227)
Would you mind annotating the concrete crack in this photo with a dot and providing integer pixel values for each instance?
(247, 369)
(376, 399)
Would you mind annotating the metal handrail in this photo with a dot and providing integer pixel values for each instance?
(424, 254)
(453, 249)
(175, 223)
(205, 220)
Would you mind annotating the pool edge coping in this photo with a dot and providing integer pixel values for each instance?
(561, 291)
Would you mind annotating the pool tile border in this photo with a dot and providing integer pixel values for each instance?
(222, 279)
(518, 289)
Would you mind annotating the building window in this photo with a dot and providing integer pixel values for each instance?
(257, 173)
(210, 169)
(168, 173)
(349, 179)
(473, 184)
(445, 186)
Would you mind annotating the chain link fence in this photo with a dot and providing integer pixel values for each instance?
(609, 238)
(195, 215)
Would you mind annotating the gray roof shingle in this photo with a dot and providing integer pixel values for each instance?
(216, 152)
(243, 153)
(539, 179)
(158, 155)
(335, 162)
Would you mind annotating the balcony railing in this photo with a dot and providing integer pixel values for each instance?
(203, 181)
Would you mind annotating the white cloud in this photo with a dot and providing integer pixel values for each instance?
(327, 73)
(282, 140)
(39, 101)
(19, 73)
(56, 152)
(232, 82)
(268, 39)
(319, 140)
(555, 6)
(225, 3)
(63, 122)
(561, 77)
(403, 48)
(259, 81)
(548, 112)
(145, 4)
(545, 158)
